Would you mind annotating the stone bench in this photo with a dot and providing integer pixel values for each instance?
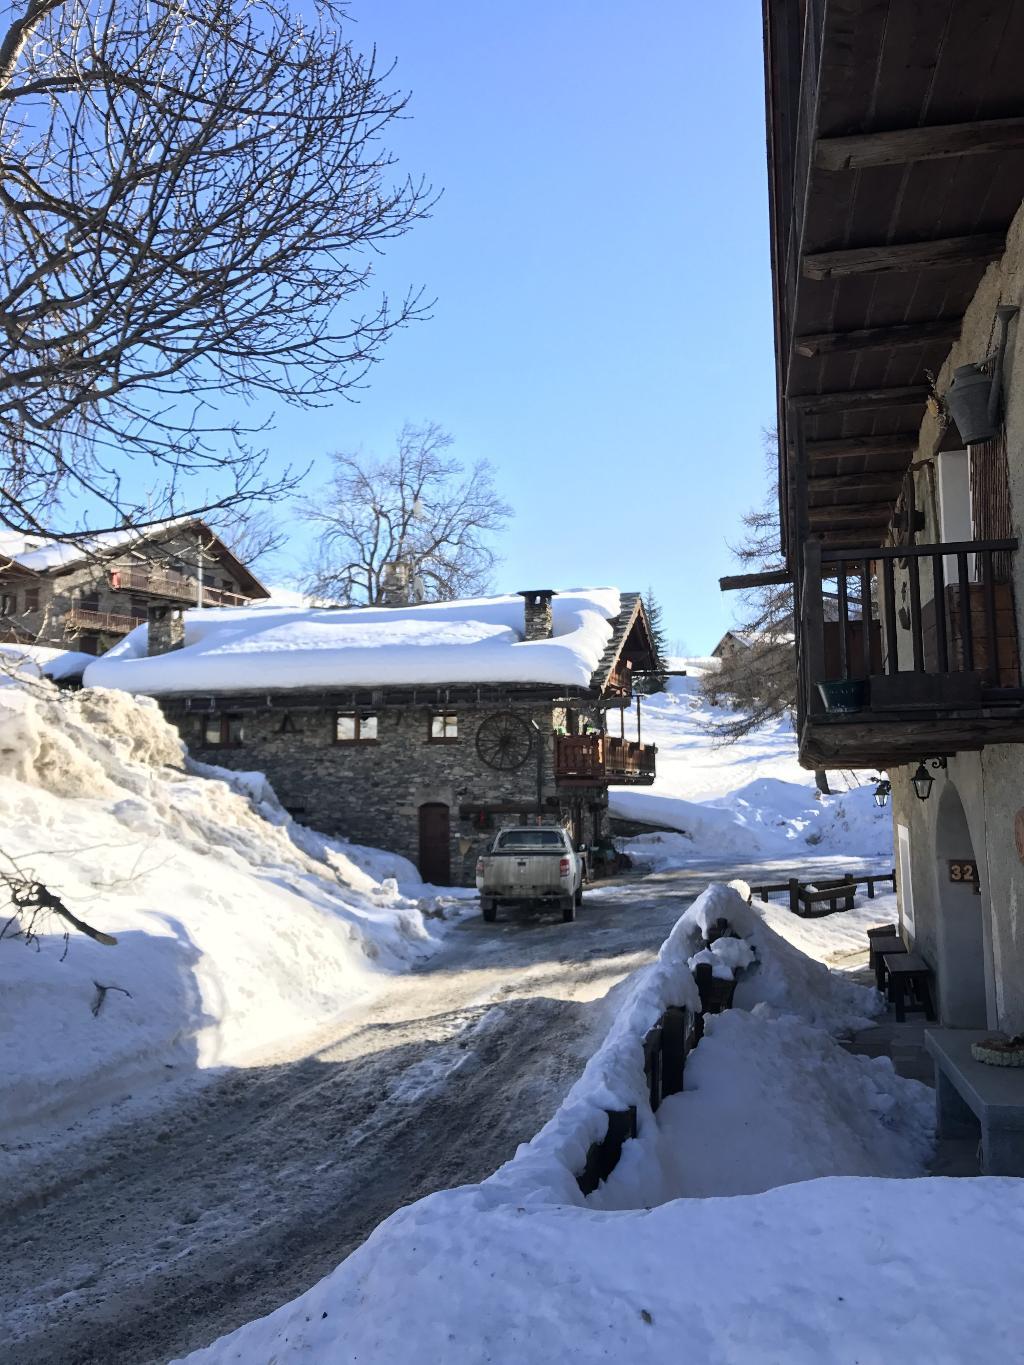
(969, 1093)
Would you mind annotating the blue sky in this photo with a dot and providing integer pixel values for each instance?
(602, 330)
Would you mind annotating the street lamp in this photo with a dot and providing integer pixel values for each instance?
(882, 791)
(923, 780)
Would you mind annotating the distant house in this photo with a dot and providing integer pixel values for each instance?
(89, 594)
(733, 642)
(417, 729)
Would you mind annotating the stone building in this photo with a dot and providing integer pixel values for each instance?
(416, 729)
(89, 594)
(896, 166)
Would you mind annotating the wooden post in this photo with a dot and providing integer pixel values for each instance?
(673, 1049)
(794, 895)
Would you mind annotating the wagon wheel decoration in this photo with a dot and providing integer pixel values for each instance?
(504, 741)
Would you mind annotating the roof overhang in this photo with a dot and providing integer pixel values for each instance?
(896, 164)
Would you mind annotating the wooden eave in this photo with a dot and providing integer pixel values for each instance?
(896, 164)
(631, 632)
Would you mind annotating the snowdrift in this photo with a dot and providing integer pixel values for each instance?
(750, 799)
(236, 928)
(523, 1268)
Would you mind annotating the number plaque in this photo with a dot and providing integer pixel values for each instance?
(963, 870)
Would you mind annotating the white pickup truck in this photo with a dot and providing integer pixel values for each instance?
(531, 864)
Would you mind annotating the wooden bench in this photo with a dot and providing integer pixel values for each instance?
(970, 1093)
(910, 978)
(879, 948)
(825, 897)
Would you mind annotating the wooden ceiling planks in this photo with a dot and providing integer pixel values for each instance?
(899, 65)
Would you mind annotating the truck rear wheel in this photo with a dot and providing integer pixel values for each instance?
(568, 908)
(489, 909)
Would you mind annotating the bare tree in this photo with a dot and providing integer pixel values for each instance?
(759, 679)
(191, 197)
(422, 509)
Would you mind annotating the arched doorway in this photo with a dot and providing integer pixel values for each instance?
(961, 924)
(435, 861)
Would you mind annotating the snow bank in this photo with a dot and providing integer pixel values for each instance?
(523, 1268)
(833, 1270)
(236, 928)
(479, 640)
(750, 799)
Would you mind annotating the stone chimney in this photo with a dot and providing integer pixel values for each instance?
(166, 629)
(539, 619)
(394, 582)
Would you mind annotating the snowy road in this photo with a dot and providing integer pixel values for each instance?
(186, 1225)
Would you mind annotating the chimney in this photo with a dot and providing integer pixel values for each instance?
(539, 620)
(166, 630)
(394, 582)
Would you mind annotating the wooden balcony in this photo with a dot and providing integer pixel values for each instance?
(178, 587)
(929, 631)
(107, 622)
(603, 760)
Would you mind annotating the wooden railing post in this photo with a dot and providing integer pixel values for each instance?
(812, 615)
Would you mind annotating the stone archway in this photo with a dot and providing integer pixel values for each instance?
(962, 964)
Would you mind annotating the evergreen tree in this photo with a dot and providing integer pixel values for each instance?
(656, 681)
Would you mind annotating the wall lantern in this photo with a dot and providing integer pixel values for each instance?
(882, 791)
(923, 780)
(973, 396)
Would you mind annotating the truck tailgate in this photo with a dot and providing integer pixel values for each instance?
(523, 874)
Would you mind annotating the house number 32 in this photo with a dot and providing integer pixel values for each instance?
(963, 871)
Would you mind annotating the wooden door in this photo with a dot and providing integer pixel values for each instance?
(435, 844)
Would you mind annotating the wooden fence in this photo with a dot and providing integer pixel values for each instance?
(806, 898)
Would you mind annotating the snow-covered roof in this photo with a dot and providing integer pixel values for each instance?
(479, 640)
(41, 556)
(42, 661)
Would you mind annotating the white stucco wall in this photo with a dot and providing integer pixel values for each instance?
(990, 784)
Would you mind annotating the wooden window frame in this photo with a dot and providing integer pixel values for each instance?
(31, 599)
(444, 716)
(9, 602)
(224, 718)
(359, 717)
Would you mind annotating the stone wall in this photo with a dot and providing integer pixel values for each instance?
(371, 792)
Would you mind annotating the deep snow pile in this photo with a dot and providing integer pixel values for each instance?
(748, 799)
(523, 1267)
(236, 928)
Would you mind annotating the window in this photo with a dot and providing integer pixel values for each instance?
(351, 728)
(8, 603)
(31, 599)
(532, 838)
(444, 725)
(89, 601)
(222, 732)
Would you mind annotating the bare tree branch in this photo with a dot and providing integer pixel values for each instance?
(191, 197)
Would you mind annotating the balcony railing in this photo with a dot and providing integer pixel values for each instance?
(109, 622)
(924, 638)
(603, 759)
(180, 587)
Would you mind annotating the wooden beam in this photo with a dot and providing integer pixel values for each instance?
(885, 258)
(901, 145)
(819, 404)
(902, 443)
(741, 582)
(862, 483)
(850, 514)
(878, 338)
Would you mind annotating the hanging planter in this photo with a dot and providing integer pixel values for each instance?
(844, 694)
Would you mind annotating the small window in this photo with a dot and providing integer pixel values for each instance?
(8, 603)
(351, 728)
(444, 725)
(31, 599)
(223, 732)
